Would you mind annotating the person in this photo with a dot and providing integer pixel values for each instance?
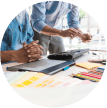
(46, 20)
(17, 43)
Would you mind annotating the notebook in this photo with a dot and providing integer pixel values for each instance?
(88, 65)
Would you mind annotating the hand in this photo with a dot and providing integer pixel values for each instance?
(22, 56)
(70, 33)
(33, 50)
(86, 38)
(29, 52)
(32, 44)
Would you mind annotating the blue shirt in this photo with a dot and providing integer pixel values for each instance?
(18, 31)
(50, 12)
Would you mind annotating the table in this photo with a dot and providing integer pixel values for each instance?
(57, 96)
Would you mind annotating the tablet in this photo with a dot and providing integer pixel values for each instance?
(46, 66)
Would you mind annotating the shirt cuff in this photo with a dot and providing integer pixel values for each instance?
(38, 27)
(75, 26)
(28, 42)
(0, 48)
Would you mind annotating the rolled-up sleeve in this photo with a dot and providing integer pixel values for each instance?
(3, 46)
(38, 16)
(73, 17)
(0, 47)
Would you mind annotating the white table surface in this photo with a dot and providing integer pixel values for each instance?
(57, 96)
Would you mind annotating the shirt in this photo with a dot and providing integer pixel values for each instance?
(17, 32)
(50, 12)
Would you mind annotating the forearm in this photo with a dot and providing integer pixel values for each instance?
(7, 56)
(47, 30)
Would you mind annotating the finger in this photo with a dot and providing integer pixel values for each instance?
(36, 41)
(90, 35)
(71, 36)
(73, 30)
(78, 32)
(85, 38)
(34, 50)
(24, 44)
(41, 47)
(74, 36)
(71, 33)
(33, 43)
(39, 52)
(34, 56)
(36, 46)
(86, 41)
(33, 60)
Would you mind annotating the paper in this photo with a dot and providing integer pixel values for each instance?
(51, 81)
(88, 65)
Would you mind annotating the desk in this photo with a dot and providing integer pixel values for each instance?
(57, 96)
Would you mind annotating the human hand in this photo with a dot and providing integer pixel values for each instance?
(29, 52)
(86, 38)
(33, 47)
(23, 56)
(70, 33)
(33, 50)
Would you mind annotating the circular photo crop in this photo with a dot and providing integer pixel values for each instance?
(53, 53)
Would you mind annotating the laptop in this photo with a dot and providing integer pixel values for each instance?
(46, 66)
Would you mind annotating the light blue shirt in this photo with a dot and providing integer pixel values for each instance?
(50, 13)
(17, 32)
